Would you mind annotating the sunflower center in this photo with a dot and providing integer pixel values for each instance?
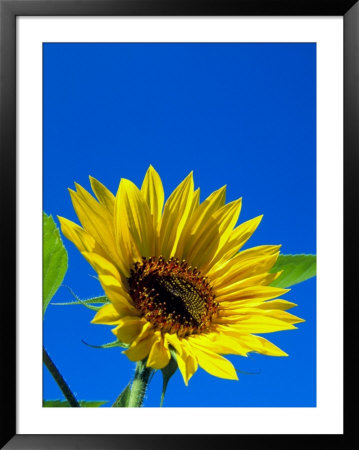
(180, 297)
(173, 296)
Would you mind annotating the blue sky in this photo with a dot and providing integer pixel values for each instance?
(243, 115)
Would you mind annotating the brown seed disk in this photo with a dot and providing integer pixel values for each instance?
(172, 295)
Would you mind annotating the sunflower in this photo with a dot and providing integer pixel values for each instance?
(175, 276)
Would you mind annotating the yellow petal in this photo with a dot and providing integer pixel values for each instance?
(277, 304)
(134, 227)
(95, 219)
(176, 342)
(100, 264)
(231, 293)
(175, 215)
(159, 355)
(139, 350)
(243, 257)
(264, 279)
(128, 329)
(107, 315)
(238, 314)
(260, 345)
(260, 250)
(255, 324)
(117, 295)
(153, 194)
(219, 343)
(238, 237)
(183, 353)
(198, 218)
(254, 343)
(215, 364)
(147, 331)
(195, 200)
(83, 240)
(257, 303)
(276, 314)
(213, 235)
(204, 211)
(104, 196)
(237, 269)
(187, 363)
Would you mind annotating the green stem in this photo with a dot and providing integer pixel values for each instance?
(59, 380)
(139, 384)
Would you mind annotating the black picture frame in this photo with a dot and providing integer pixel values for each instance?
(9, 10)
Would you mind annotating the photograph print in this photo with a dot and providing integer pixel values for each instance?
(179, 225)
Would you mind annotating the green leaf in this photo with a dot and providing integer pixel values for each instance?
(167, 373)
(66, 404)
(122, 400)
(296, 268)
(116, 343)
(54, 260)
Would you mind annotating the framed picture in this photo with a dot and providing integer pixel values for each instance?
(174, 178)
